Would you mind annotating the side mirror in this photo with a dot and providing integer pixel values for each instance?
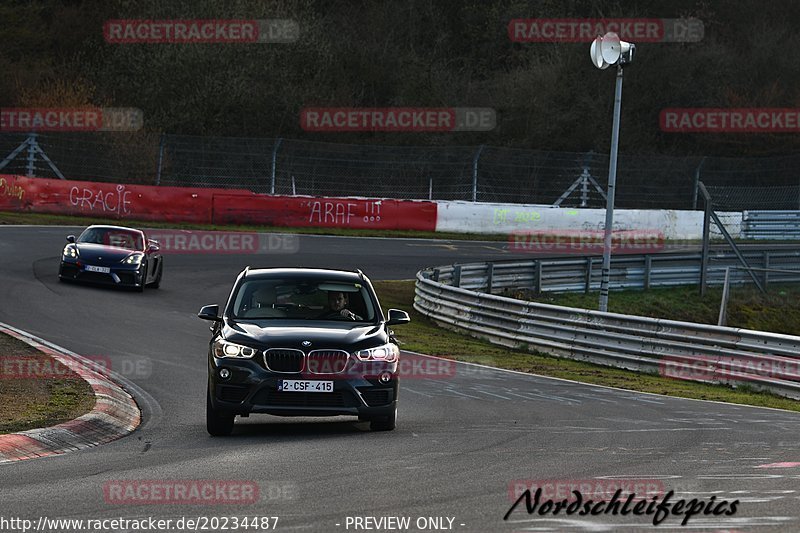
(152, 245)
(71, 239)
(396, 317)
(210, 312)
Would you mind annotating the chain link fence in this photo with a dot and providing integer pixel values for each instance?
(470, 173)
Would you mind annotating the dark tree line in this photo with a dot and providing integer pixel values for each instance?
(411, 53)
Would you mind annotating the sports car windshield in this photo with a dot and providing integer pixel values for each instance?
(119, 238)
(303, 299)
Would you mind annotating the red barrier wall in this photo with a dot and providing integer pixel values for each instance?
(325, 212)
(221, 206)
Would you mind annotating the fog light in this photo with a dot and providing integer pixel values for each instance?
(224, 373)
(385, 377)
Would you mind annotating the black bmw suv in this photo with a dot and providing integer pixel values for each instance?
(302, 342)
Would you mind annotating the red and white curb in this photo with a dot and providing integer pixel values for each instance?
(115, 413)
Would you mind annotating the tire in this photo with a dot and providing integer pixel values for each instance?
(144, 280)
(157, 283)
(218, 424)
(385, 423)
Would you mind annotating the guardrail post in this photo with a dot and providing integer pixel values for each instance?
(588, 283)
(457, 276)
(648, 263)
(766, 267)
(537, 277)
(489, 277)
(435, 276)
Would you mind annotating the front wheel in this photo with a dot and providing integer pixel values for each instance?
(218, 424)
(386, 423)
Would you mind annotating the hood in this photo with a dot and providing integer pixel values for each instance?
(290, 334)
(99, 254)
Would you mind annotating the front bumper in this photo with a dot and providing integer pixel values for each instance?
(251, 388)
(119, 275)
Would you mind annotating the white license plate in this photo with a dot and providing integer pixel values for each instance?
(299, 385)
(102, 270)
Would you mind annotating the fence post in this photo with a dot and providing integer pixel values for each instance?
(766, 268)
(588, 285)
(457, 276)
(704, 252)
(537, 277)
(697, 182)
(648, 263)
(31, 155)
(723, 305)
(489, 278)
(475, 173)
(161, 143)
(435, 276)
(274, 164)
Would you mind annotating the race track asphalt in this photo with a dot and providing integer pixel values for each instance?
(463, 439)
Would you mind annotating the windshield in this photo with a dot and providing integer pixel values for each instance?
(304, 299)
(119, 238)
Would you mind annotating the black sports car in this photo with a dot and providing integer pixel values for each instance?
(112, 255)
(302, 342)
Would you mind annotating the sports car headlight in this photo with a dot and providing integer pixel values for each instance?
(228, 349)
(70, 252)
(134, 259)
(387, 352)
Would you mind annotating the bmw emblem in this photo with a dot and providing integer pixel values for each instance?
(305, 344)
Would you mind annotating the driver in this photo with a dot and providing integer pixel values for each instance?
(337, 303)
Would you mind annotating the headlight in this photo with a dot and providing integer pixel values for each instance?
(134, 259)
(387, 352)
(228, 349)
(70, 252)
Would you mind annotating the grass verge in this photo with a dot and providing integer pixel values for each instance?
(36, 390)
(778, 310)
(423, 335)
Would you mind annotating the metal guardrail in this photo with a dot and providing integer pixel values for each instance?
(686, 350)
(771, 224)
(582, 274)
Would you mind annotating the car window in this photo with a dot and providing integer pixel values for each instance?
(302, 299)
(119, 238)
